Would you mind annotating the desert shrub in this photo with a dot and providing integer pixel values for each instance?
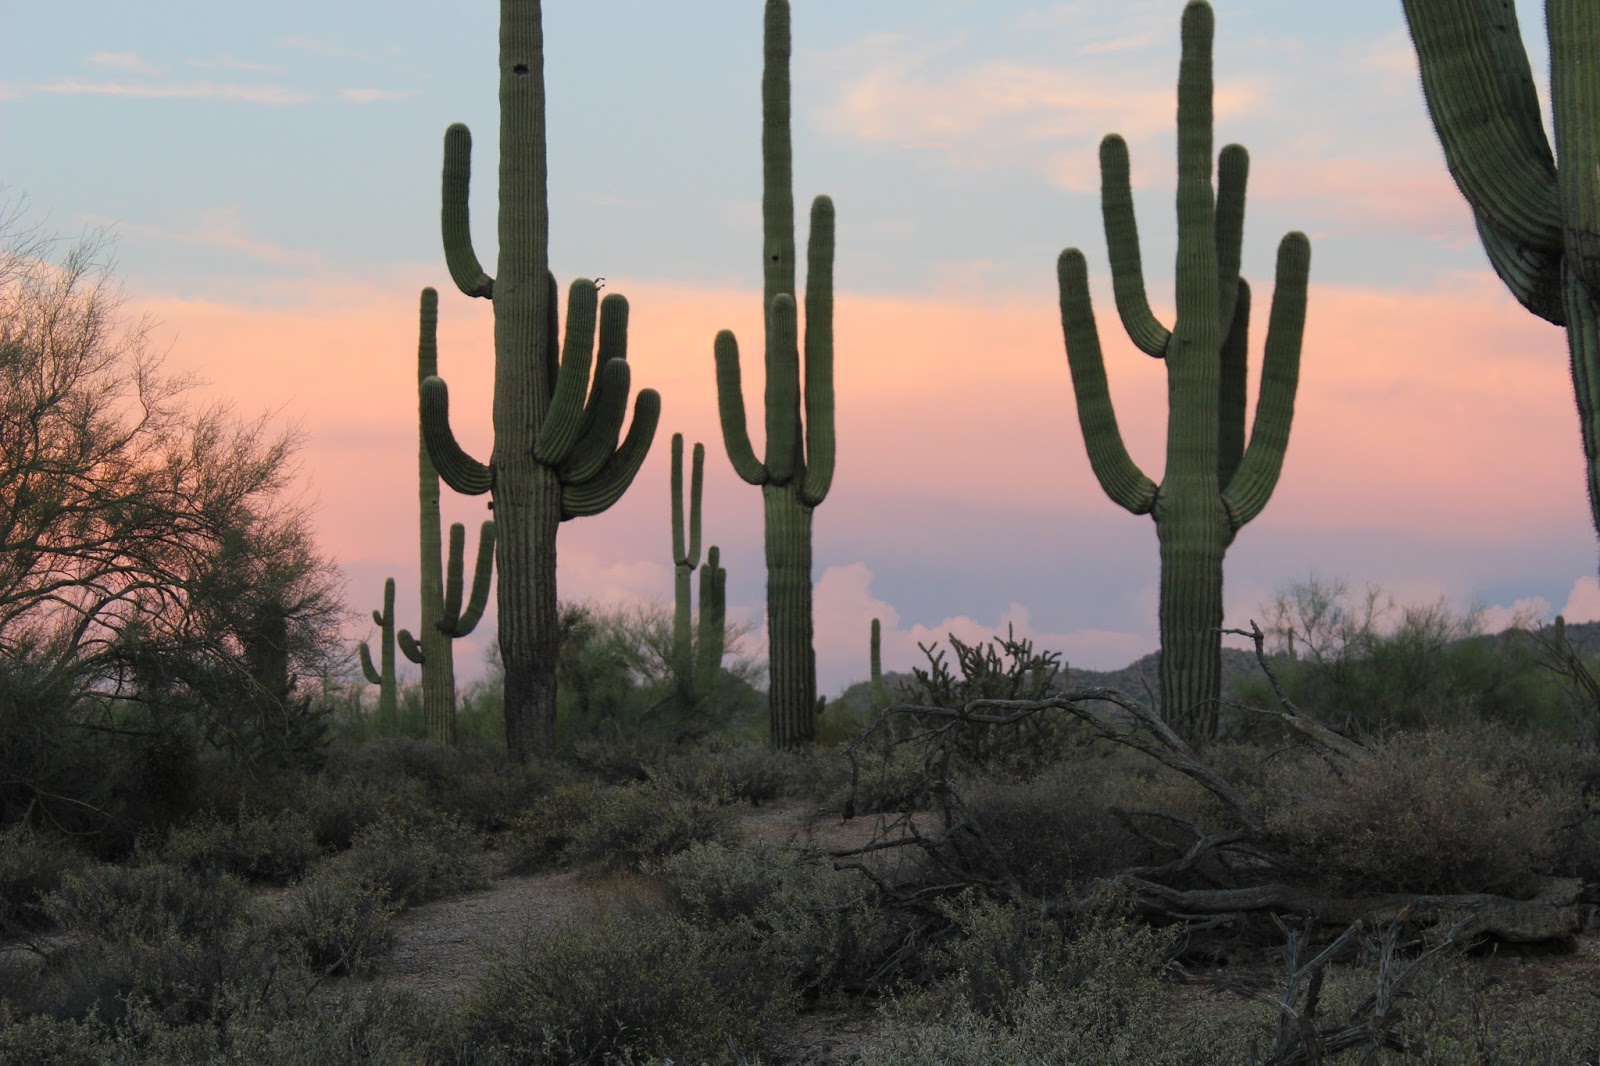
(1070, 825)
(618, 827)
(340, 922)
(1018, 985)
(173, 938)
(274, 846)
(752, 773)
(1429, 813)
(1371, 666)
(384, 1027)
(413, 859)
(638, 987)
(800, 917)
(32, 865)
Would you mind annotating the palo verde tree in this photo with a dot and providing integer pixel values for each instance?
(443, 618)
(556, 453)
(798, 468)
(1538, 213)
(1213, 482)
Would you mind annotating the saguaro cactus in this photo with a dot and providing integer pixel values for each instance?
(798, 468)
(383, 675)
(696, 653)
(555, 453)
(880, 696)
(1539, 221)
(434, 649)
(1213, 483)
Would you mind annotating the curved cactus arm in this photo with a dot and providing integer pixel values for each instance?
(1233, 390)
(602, 429)
(1247, 493)
(820, 441)
(1121, 478)
(681, 555)
(783, 391)
(460, 471)
(368, 670)
(565, 417)
(454, 219)
(453, 621)
(1483, 120)
(409, 647)
(607, 486)
(1574, 29)
(1532, 274)
(1233, 172)
(1122, 243)
(730, 409)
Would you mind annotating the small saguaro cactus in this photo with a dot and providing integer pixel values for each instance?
(433, 649)
(798, 467)
(556, 453)
(696, 652)
(880, 697)
(383, 675)
(1538, 213)
(1213, 483)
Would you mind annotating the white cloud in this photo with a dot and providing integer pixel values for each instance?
(1583, 602)
(132, 62)
(373, 96)
(1526, 612)
(275, 95)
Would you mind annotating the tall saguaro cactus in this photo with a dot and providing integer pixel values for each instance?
(556, 454)
(696, 652)
(1538, 214)
(434, 649)
(1213, 483)
(382, 675)
(798, 468)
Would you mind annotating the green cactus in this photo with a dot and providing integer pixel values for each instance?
(555, 454)
(696, 654)
(383, 676)
(798, 469)
(880, 697)
(1539, 220)
(434, 651)
(1213, 483)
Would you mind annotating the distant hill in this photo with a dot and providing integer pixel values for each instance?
(1141, 679)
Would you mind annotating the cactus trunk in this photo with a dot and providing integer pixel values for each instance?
(1190, 617)
(792, 699)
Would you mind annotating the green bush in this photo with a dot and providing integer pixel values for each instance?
(638, 987)
(413, 860)
(173, 938)
(799, 917)
(617, 827)
(1438, 813)
(275, 847)
(340, 922)
(32, 865)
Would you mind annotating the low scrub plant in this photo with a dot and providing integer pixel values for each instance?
(413, 860)
(618, 827)
(275, 846)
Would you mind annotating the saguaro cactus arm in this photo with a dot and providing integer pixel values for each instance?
(1122, 242)
(730, 408)
(368, 669)
(1118, 474)
(410, 647)
(454, 622)
(565, 416)
(459, 470)
(1247, 492)
(454, 218)
(607, 486)
(712, 638)
(682, 554)
(820, 441)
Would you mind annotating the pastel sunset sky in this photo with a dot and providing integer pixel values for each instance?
(270, 173)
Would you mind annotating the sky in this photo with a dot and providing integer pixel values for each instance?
(270, 175)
